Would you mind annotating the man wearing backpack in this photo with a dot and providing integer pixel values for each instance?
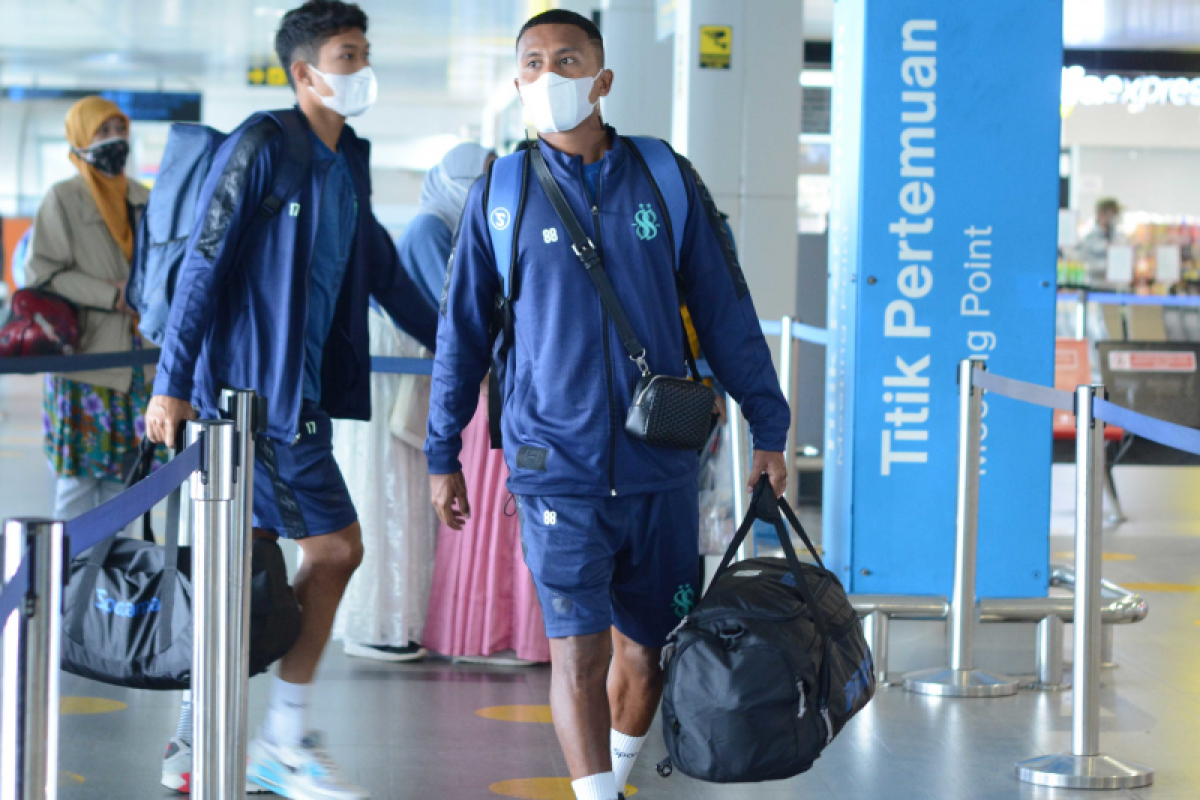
(277, 302)
(609, 521)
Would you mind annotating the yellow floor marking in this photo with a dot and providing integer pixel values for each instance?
(90, 705)
(12, 454)
(1106, 557)
(1162, 587)
(71, 776)
(11, 440)
(542, 789)
(539, 714)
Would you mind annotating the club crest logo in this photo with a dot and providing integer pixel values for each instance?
(500, 218)
(646, 222)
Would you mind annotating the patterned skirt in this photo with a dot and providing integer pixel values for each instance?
(89, 429)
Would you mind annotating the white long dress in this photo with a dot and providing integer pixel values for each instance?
(386, 601)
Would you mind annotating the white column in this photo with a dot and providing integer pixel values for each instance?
(640, 103)
(741, 126)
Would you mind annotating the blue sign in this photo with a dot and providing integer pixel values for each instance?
(943, 243)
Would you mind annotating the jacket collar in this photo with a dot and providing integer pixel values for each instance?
(566, 167)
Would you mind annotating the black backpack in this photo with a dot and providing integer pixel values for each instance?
(127, 608)
(769, 666)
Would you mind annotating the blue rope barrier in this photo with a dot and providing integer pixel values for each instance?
(14, 592)
(807, 333)
(105, 521)
(32, 365)
(1156, 430)
(1107, 299)
(395, 365)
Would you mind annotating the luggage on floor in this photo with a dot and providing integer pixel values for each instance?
(769, 666)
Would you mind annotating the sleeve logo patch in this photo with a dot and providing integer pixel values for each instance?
(500, 218)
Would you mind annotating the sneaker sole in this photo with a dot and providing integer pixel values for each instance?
(178, 782)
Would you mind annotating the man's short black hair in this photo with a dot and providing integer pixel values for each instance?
(561, 16)
(306, 29)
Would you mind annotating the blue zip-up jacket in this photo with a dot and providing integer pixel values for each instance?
(240, 307)
(568, 381)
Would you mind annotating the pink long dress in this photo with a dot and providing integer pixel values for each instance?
(483, 600)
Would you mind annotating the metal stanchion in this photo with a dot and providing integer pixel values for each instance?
(961, 679)
(241, 406)
(875, 629)
(213, 760)
(737, 463)
(1050, 656)
(1081, 311)
(789, 380)
(29, 677)
(1085, 767)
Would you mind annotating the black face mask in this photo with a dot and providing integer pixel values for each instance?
(109, 157)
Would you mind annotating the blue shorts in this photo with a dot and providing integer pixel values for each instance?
(632, 562)
(299, 490)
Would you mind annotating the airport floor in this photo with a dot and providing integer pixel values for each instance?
(457, 732)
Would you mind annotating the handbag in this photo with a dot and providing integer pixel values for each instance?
(665, 411)
(767, 668)
(127, 608)
(41, 324)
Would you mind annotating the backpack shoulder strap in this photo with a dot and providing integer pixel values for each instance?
(297, 158)
(658, 157)
(505, 192)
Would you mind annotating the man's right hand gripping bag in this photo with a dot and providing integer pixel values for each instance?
(769, 666)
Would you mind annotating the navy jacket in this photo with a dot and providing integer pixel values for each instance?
(241, 299)
(568, 380)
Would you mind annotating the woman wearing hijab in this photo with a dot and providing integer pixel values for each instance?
(81, 247)
(483, 607)
(383, 612)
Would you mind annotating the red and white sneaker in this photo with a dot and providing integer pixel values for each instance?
(177, 769)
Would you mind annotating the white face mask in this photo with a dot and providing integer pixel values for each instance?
(555, 104)
(352, 94)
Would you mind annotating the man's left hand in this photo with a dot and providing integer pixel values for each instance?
(773, 466)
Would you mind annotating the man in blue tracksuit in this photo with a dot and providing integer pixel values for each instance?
(609, 523)
(279, 304)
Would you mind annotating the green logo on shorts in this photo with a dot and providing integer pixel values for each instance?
(685, 601)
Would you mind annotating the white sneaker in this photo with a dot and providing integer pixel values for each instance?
(177, 769)
(412, 652)
(305, 772)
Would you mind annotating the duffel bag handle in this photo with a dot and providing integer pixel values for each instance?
(765, 506)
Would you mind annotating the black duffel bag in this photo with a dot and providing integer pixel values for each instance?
(768, 667)
(127, 609)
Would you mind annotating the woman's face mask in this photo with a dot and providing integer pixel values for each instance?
(109, 155)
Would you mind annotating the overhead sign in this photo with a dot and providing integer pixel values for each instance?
(943, 243)
(138, 106)
(716, 46)
(261, 74)
(1080, 87)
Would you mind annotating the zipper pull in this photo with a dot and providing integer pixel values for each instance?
(803, 705)
(595, 211)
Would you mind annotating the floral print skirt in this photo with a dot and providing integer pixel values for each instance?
(89, 429)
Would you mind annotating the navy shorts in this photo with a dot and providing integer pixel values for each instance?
(299, 490)
(632, 562)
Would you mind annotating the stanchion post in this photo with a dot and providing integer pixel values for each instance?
(212, 513)
(789, 381)
(1085, 767)
(241, 406)
(1050, 656)
(961, 679)
(737, 464)
(875, 629)
(29, 676)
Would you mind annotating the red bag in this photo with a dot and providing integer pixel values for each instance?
(42, 324)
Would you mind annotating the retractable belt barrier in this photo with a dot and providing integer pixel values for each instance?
(1112, 299)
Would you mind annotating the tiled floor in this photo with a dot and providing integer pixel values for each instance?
(410, 732)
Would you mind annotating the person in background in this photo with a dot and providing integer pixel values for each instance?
(1093, 248)
(425, 243)
(280, 306)
(81, 247)
(483, 607)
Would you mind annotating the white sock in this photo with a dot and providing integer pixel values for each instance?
(596, 787)
(287, 716)
(625, 751)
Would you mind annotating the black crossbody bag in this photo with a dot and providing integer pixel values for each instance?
(666, 411)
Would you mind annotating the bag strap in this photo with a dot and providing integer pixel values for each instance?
(87, 587)
(297, 157)
(658, 161)
(765, 506)
(170, 577)
(585, 249)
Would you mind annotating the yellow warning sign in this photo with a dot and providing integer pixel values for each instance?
(716, 46)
